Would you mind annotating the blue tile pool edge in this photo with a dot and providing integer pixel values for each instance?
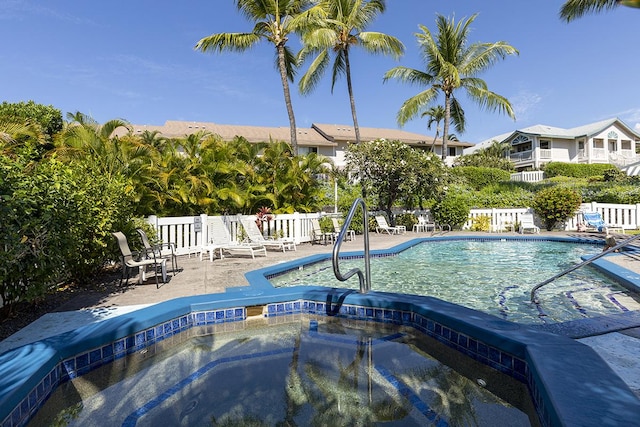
(30, 373)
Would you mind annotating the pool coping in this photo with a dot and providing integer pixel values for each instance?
(588, 393)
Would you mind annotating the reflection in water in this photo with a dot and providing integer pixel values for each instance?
(303, 373)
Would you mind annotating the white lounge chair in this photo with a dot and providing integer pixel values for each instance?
(383, 226)
(255, 236)
(527, 225)
(594, 221)
(220, 240)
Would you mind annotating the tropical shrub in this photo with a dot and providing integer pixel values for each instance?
(47, 117)
(408, 220)
(480, 177)
(556, 204)
(326, 224)
(451, 209)
(481, 223)
(56, 224)
(576, 170)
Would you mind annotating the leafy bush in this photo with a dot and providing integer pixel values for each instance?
(479, 177)
(576, 170)
(408, 220)
(452, 209)
(56, 224)
(326, 224)
(481, 223)
(556, 204)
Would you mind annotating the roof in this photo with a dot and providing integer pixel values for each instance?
(316, 135)
(345, 133)
(556, 132)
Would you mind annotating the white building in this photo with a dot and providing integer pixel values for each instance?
(325, 139)
(609, 141)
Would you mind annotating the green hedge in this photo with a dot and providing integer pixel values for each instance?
(479, 177)
(576, 170)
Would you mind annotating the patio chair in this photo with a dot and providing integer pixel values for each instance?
(501, 225)
(594, 222)
(255, 236)
(220, 239)
(128, 262)
(319, 236)
(350, 234)
(159, 250)
(384, 227)
(527, 224)
(424, 224)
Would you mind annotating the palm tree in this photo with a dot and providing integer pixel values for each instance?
(436, 115)
(574, 9)
(342, 28)
(451, 64)
(275, 21)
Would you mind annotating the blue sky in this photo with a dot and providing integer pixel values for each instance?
(135, 60)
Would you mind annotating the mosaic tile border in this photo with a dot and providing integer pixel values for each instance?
(86, 361)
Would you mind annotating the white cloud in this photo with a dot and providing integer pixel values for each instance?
(525, 103)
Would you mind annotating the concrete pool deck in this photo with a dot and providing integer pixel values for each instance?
(619, 349)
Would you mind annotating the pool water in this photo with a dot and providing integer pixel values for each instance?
(493, 276)
(307, 371)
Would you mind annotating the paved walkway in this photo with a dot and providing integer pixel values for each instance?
(195, 277)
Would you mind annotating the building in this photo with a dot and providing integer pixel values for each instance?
(325, 139)
(609, 141)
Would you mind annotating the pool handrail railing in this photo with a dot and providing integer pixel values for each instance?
(365, 279)
(577, 266)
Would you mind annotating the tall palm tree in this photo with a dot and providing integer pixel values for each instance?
(436, 115)
(343, 28)
(574, 9)
(275, 21)
(452, 64)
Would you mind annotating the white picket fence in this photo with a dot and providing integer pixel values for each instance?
(190, 233)
(532, 176)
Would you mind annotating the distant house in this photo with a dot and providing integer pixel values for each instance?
(609, 141)
(328, 140)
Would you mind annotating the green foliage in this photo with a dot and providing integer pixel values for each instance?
(556, 204)
(326, 224)
(576, 170)
(481, 223)
(408, 220)
(56, 221)
(389, 171)
(493, 156)
(452, 209)
(47, 117)
(614, 175)
(479, 177)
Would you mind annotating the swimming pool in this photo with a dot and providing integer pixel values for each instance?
(564, 393)
(300, 371)
(495, 276)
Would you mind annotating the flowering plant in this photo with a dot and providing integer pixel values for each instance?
(264, 215)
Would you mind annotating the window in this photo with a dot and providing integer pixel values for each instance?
(307, 150)
(580, 145)
(545, 145)
(626, 144)
(598, 143)
(452, 151)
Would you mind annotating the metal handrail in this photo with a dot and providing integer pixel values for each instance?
(577, 266)
(365, 279)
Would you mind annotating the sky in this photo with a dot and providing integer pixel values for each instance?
(135, 60)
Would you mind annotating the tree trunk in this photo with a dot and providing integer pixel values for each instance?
(445, 132)
(287, 99)
(356, 128)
